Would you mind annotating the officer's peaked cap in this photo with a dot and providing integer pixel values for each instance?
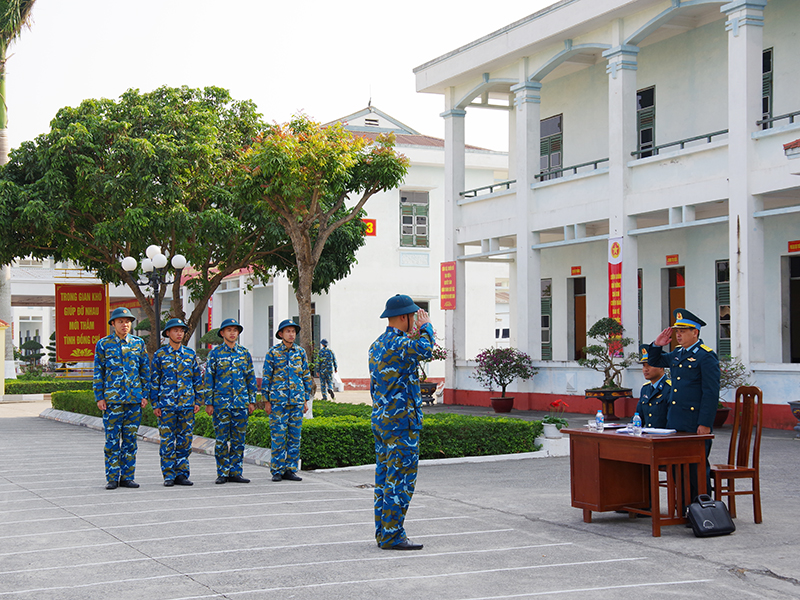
(687, 320)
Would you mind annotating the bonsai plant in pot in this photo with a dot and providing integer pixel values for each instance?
(497, 368)
(553, 421)
(732, 374)
(607, 355)
(427, 388)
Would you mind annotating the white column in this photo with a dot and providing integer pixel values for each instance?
(280, 299)
(454, 182)
(746, 234)
(246, 313)
(526, 302)
(621, 71)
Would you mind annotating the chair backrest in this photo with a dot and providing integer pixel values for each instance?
(747, 424)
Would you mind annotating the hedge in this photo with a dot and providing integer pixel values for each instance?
(340, 435)
(46, 386)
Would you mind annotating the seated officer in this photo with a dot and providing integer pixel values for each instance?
(655, 395)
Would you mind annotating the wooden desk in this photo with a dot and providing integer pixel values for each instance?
(614, 471)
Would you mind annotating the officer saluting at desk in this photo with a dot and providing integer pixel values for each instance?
(694, 370)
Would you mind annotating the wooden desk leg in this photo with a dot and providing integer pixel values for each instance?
(655, 501)
(587, 515)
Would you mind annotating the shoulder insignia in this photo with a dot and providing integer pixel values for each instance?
(706, 348)
(669, 382)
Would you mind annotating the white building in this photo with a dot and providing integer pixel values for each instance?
(659, 124)
(402, 256)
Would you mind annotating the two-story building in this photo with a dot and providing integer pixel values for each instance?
(647, 171)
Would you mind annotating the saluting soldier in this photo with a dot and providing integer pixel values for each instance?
(286, 385)
(121, 383)
(327, 367)
(694, 370)
(176, 392)
(397, 416)
(655, 395)
(230, 398)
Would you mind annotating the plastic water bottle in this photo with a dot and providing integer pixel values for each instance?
(599, 420)
(636, 424)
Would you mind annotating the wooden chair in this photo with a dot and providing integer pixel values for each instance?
(743, 452)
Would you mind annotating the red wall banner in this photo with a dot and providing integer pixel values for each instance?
(81, 320)
(448, 286)
(615, 278)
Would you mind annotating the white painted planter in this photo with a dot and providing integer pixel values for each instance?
(552, 432)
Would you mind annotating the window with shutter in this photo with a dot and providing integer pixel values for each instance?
(766, 87)
(646, 121)
(414, 226)
(551, 147)
(723, 308)
(547, 315)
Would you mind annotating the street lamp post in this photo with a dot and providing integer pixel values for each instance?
(156, 277)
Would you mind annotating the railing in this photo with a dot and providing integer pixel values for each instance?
(682, 143)
(574, 168)
(473, 193)
(771, 120)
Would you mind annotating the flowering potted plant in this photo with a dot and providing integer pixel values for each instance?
(553, 421)
(498, 367)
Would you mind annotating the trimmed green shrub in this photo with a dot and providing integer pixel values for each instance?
(203, 424)
(448, 436)
(330, 442)
(258, 432)
(45, 386)
(325, 408)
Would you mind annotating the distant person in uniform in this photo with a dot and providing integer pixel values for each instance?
(287, 386)
(397, 416)
(327, 367)
(176, 392)
(121, 384)
(230, 398)
(694, 371)
(655, 395)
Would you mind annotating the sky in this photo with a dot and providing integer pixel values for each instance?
(326, 59)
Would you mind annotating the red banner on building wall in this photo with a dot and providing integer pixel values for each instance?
(372, 226)
(615, 278)
(81, 320)
(673, 259)
(448, 287)
(575, 271)
(794, 246)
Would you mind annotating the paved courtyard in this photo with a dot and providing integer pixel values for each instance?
(491, 530)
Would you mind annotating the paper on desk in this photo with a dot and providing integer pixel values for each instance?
(649, 430)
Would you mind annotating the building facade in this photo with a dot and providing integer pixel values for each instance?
(647, 171)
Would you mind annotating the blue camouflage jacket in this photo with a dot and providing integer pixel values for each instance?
(176, 380)
(230, 378)
(695, 385)
(394, 380)
(327, 361)
(286, 379)
(121, 370)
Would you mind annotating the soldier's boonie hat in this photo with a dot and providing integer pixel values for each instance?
(174, 322)
(229, 323)
(121, 313)
(286, 323)
(399, 305)
(643, 354)
(686, 320)
(324, 342)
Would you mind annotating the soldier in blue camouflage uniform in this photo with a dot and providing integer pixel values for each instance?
(694, 370)
(121, 389)
(286, 384)
(176, 392)
(397, 416)
(655, 395)
(230, 398)
(327, 367)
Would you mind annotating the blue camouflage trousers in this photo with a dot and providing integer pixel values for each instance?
(396, 461)
(326, 384)
(285, 427)
(121, 423)
(230, 426)
(175, 427)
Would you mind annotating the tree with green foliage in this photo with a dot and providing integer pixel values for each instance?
(115, 176)
(316, 180)
(608, 355)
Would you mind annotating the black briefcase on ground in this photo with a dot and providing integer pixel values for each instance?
(709, 517)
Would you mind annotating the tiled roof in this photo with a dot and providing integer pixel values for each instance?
(792, 145)
(403, 139)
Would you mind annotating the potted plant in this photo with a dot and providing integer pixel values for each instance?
(427, 388)
(607, 356)
(498, 367)
(732, 374)
(553, 421)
